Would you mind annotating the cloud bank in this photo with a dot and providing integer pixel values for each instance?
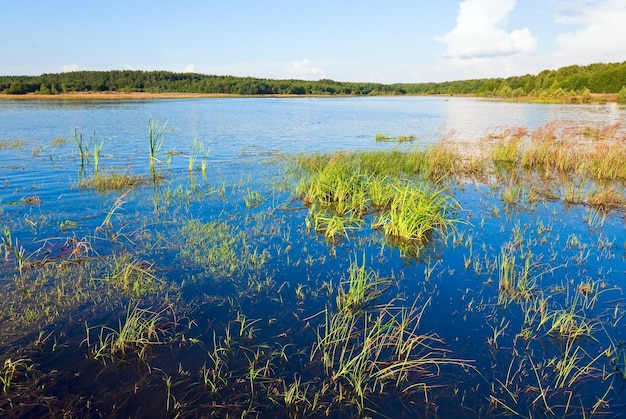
(481, 31)
(304, 70)
(599, 32)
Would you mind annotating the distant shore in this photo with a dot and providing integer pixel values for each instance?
(114, 95)
(595, 97)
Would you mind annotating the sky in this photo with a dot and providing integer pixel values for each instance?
(392, 41)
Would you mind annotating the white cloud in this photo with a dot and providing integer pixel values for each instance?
(304, 70)
(481, 31)
(71, 67)
(190, 68)
(600, 32)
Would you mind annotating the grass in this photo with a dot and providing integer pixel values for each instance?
(219, 248)
(112, 181)
(12, 144)
(416, 212)
(385, 138)
(343, 188)
(138, 333)
(97, 149)
(13, 370)
(134, 277)
(365, 347)
(83, 149)
(157, 132)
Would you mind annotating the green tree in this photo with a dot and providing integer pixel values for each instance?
(621, 96)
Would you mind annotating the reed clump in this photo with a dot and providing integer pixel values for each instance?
(352, 185)
(364, 347)
(112, 181)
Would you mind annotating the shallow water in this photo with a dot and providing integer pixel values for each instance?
(269, 273)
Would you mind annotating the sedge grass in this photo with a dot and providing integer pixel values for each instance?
(12, 370)
(112, 181)
(416, 212)
(364, 347)
(83, 149)
(157, 132)
(97, 149)
(139, 332)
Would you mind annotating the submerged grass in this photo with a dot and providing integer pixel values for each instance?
(139, 333)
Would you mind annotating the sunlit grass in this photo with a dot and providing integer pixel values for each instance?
(112, 181)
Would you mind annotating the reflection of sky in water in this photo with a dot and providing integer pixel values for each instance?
(471, 119)
(235, 125)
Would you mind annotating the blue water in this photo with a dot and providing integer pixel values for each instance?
(248, 139)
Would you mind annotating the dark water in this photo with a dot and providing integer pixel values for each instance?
(260, 300)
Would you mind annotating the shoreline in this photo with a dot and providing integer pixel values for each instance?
(574, 100)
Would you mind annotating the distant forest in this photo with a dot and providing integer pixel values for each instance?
(571, 81)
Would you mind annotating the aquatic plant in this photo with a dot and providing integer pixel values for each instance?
(112, 180)
(157, 132)
(12, 370)
(219, 248)
(97, 149)
(134, 277)
(139, 332)
(416, 212)
(364, 347)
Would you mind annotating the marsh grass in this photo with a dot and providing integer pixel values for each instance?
(157, 132)
(134, 277)
(416, 212)
(13, 371)
(97, 149)
(365, 347)
(349, 186)
(220, 249)
(83, 149)
(386, 138)
(113, 181)
(138, 333)
(12, 144)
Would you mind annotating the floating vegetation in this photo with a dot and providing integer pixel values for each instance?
(386, 138)
(12, 144)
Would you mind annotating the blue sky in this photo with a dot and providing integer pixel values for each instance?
(376, 41)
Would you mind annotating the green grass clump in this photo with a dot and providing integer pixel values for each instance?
(385, 138)
(112, 181)
(345, 187)
(157, 133)
(417, 211)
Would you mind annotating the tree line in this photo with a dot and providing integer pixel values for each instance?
(566, 81)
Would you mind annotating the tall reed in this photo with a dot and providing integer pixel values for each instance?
(156, 136)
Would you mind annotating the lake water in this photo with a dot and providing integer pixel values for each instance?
(224, 255)
(233, 126)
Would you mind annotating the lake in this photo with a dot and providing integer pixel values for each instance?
(236, 277)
